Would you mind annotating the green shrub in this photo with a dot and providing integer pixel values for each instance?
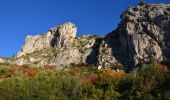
(116, 66)
(150, 81)
(166, 95)
(168, 8)
(141, 3)
(168, 43)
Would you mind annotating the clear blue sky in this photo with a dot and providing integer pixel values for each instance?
(19, 18)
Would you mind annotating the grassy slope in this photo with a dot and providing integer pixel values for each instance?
(80, 82)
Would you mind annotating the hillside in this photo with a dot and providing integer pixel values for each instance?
(81, 82)
(141, 37)
(130, 63)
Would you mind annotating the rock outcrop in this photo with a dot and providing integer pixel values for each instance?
(2, 60)
(59, 47)
(142, 36)
(60, 37)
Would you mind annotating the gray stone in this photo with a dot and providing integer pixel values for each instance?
(142, 36)
(60, 37)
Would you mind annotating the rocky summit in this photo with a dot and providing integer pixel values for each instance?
(142, 36)
(59, 47)
(59, 37)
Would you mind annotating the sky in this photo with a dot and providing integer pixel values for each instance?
(19, 18)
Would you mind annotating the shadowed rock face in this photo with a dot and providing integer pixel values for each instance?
(142, 36)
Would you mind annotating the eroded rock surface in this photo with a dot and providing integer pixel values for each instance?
(142, 36)
(61, 36)
(59, 47)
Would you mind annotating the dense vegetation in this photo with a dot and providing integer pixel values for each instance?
(80, 82)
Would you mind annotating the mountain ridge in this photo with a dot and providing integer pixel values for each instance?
(141, 37)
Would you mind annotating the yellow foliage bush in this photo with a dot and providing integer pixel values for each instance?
(112, 73)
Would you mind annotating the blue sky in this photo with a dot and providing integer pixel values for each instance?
(19, 18)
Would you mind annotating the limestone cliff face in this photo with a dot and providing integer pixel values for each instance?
(142, 36)
(61, 36)
(59, 47)
(2, 60)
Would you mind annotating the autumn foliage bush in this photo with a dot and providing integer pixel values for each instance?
(112, 73)
(147, 82)
(27, 71)
(49, 67)
(93, 78)
(21, 70)
(74, 73)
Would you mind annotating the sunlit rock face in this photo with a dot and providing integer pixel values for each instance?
(2, 60)
(142, 36)
(59, 47)
(61, 36)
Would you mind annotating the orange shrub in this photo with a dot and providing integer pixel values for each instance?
(11, 72)
(112, 73)
(49, 67)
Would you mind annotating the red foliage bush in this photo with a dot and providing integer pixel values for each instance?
(49, 67)
(11, 72)
(27, 70)
(74, 73)
(93, 78)
(22, 70)
(80, 65)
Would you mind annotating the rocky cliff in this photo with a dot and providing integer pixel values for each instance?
(59, 47)
(61, 36)
(142, 36)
